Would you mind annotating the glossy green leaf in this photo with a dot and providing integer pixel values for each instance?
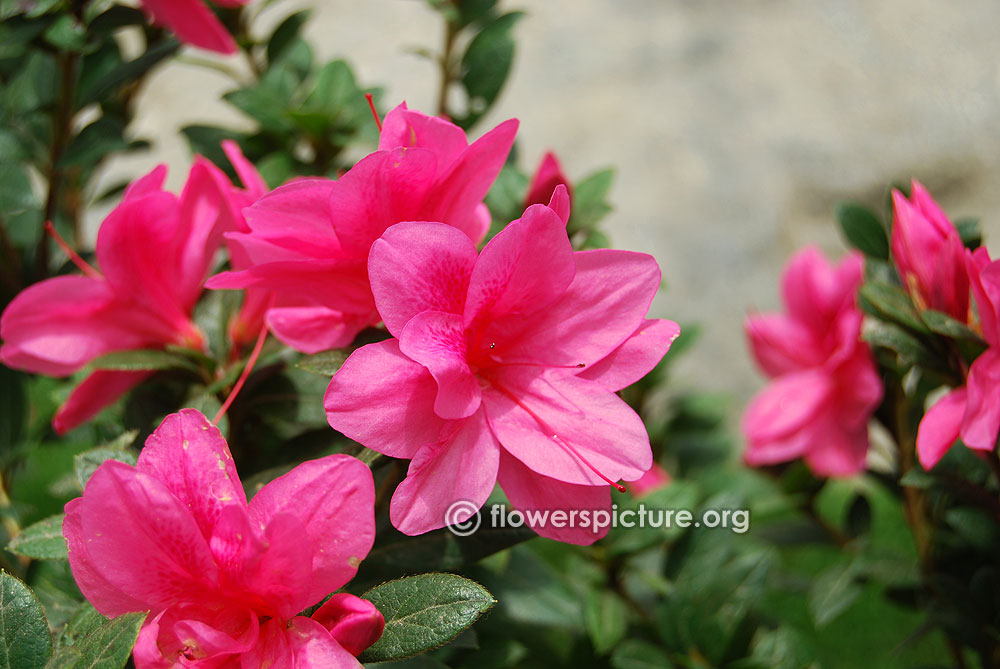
(107, 646)
(142, 360)
(86, 463)
(943, 324)
(25, 642)
(639, 654)
(862, 230)
(590, 201)
(285, 34)
(41, 541)
(970, 232)
(486, 64)
(423, 612)
(606, 619)
(325, 362)
(832, 593)
(894, 304)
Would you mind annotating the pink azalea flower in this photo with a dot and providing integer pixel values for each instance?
(548, 175)
(154, 251)
(825, 384)
(656, 478)
(971, 411)
(309, 239)
(224, 580)
(193, 22)
(929, 254)
(503, 368)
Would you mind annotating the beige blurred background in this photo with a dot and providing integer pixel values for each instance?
(735, 125)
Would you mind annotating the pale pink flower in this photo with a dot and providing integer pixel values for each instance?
(929, 254)
(154, 251)
(309, 240)
(548, 175)
(503, 368)
(971, 411)
(193, 22)
(826, 385)
(223, 580)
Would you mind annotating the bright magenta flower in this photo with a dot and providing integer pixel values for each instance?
(224, 580)
(971, 411)
(929, 254)
(825, 384)
(154, 250)
(548, 175)
(309, 240)
(193, 22)
(504, 367)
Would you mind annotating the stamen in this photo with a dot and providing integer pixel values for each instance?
(371, 105)
(82, 264)
(251, 361)
(556, 438)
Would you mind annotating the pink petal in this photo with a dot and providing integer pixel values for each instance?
(636, 357)
(312, 329)
(334, 498)
(354, 622)
(461, 188)
(106, 598)
(189, 456)
(100, 389)
(302, 644)
(436, 340)
(213, 635)
(385, 401)
(837, 450)
(776, 420)
(528, 491)
(940, 427)
(781, 344)
(463, 467)
(656, 478)
(193, 23)
(548, 176)
(291, 221)
(522, 270)
(126, 514)
(859, 386)
(559, 202)
(984, 276)
(199, 231)
(526, 408)
(982, 413)
(606, 302)
(816, 291)
(410, 128)
(254, 184)
(148, 183)
(418, 267)
(56, 326)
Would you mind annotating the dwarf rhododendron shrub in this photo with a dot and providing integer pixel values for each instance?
(224, 580)
(825, 385)
(309, 240)
(503, 368)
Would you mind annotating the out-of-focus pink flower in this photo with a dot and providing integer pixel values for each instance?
(309, 240)
(224, 580)
(504, 367)
(193, 22)
(154, 250)
(656, 478)
(825, 384)
(971, 411)
(929, 254)
(548, 175)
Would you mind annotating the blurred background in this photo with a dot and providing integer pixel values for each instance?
(735, 127)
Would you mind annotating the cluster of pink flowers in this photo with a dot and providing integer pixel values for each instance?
(825, 384)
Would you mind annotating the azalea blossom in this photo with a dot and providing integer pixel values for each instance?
(153, 252)
(657, 477)
(193, 22)
(929, 254)
(971, 411)
(826, 385)
(547, 177)
(503, 368)
(224, 580)
(309, 240)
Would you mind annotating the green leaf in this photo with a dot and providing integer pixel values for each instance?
(25, 641)
(970, 232)
(908, 347)
(15, 189)
(943, 324)
(832, 593)
(285, 34)
(141, 360)
(13, 408)
(85, 619)
(440, 550)
(863, 230)
(486, 64)
(639, 654)
(101, 88)
(66, 33)
(41, 541)
(104, 136)
(605, 617)
(423, 612)
(893, 303)
(86, 463)
(106, 647)
(590, 201)
(268, 101)
(325, 362)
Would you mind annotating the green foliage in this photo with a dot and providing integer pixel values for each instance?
(107, 645)
(863, 230)
(41, 541)
(24, 633)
